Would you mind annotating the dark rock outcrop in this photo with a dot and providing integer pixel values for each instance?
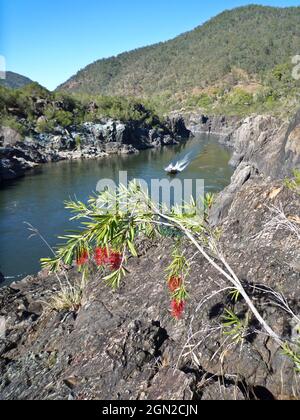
(23, 156)
(125, 345)
(11, 169)
(178, 126)
(88, 141)
(263, 147)
(130, 134)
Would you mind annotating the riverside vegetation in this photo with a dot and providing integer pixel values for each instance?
(34, 108)
(39, 127)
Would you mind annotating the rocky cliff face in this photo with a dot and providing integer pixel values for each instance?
(124, 345)
(88, 141)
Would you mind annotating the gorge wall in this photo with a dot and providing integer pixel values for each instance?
(263, 147)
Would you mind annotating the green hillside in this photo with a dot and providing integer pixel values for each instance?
(14, 80)
(241, 45)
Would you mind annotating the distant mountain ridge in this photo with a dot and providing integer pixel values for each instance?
(14, 80)
(252, 39)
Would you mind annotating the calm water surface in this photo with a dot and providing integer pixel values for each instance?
(38, 198)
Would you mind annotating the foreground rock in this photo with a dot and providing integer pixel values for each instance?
(263, 148)
(125, 345)
(89, 141)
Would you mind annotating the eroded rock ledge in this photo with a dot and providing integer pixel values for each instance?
(125, 345)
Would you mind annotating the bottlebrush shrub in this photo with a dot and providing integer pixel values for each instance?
(112, 222)
(177, 272)
(109, 232)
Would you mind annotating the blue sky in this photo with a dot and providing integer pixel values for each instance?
(50, 40)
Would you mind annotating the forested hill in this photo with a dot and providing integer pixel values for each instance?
(247, 41)
(14, 80)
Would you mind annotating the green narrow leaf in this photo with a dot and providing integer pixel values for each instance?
(132, 249)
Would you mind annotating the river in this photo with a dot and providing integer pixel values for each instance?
(38, 198)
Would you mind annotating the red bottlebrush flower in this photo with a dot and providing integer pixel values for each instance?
(82, 258)
(177, 308)
(101, 256)
(104, 256)
(115, 260)
(174, 283)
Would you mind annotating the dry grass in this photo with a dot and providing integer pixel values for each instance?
(69, 298)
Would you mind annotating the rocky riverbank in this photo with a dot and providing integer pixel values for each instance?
(124, 345)
(87, 141)
(264, 148)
